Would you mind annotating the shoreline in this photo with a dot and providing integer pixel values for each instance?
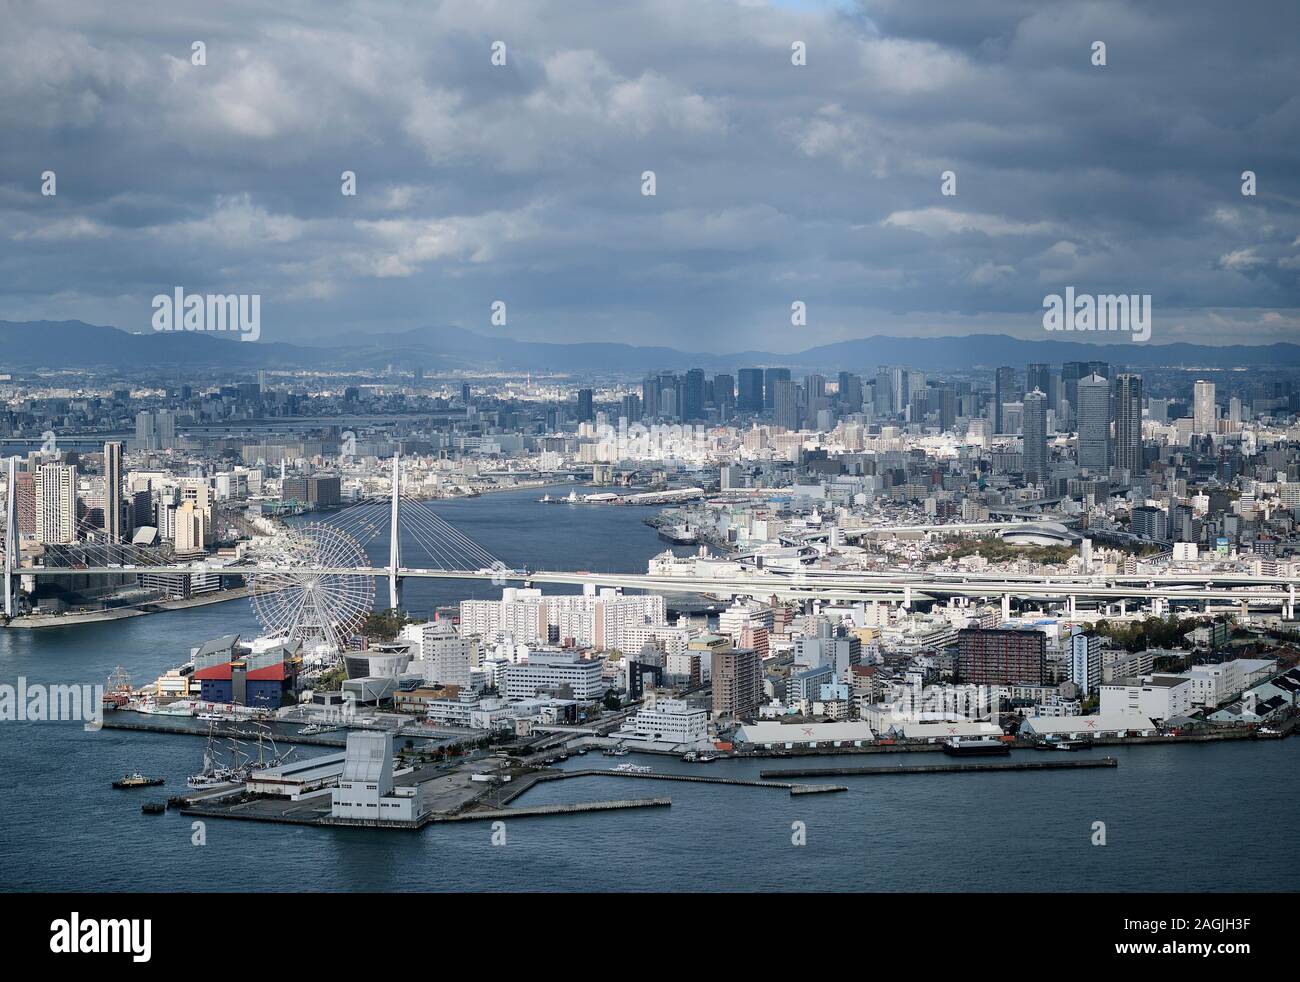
(38, 622)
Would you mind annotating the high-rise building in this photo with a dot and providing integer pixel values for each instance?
(770, 377)
(724, 396)
(1204, 412)
(1149, 523)
(785, 404)
(1085, 662)
(1004, 391)
(1039, 376)
(1072, 372)
(1035, 438)
(585, 411)
(751, 390)
(1094, 424)
(999, 657)
(113, 491)
(1128, 423)
(650, 397)
(850, 392)
(56, 504)
(693, 395)
(883, 398)
(737, 682)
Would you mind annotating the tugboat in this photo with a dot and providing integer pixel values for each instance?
(153, 808)
(137, 780)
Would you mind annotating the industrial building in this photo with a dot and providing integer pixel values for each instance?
(803, 736)
(365, 790)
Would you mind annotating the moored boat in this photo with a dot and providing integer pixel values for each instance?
(137, 780)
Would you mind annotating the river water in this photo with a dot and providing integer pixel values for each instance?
(1177, 818)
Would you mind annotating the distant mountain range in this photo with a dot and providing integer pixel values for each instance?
(30, 345)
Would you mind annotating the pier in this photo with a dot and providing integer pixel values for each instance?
(538, 810)
(738, 781)
(222, 729)
(968, 768)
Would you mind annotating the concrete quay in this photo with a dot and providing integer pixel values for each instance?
(964, 768)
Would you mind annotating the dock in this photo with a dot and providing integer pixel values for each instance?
(700, 779)
(536, 810)
(223, 729)
(1006, 765)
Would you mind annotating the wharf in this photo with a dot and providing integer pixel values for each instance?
(222, 729)
(537, 810)
(969, 768)
(735, 781)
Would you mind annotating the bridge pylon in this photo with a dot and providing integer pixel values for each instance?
(12, 543)
(394, 542)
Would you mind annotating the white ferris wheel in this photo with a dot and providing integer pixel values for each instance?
(300, 592)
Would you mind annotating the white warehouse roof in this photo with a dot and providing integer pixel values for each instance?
(1061, 725)
(946, 730)
(803, 733)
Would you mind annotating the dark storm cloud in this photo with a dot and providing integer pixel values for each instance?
(775, 183)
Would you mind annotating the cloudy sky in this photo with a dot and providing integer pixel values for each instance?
(774, 182)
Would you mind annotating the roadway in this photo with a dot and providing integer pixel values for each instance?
(823, 584)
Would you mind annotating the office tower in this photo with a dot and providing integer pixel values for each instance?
(631, 409)
(947, 396)
(113, 491)
(146, 436)
(56, 504)
(1039, 376)
(751, 390)
(466, 395)
(724, 396)
(814, 386)
(585, 412)
(1085, 662)
(693, 395)
(884, 394)
(650, 397)
(166, 429)
(1128, 424)
(1035, 426)
(737, 682)
(770, 377)
(900, 388)
(1001, 657)
(785, 407)
(1204, 413)
(850, 392)
(1094, 424)
(1072, 372)
(419, 376)
(670, 396)
(1004, 391)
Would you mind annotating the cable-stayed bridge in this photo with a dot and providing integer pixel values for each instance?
(450, 555)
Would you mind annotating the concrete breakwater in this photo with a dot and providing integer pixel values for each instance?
(697, 779)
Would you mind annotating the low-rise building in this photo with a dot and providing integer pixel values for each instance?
(1156, 697)
(674, 722)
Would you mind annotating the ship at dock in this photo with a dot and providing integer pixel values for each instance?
(236, 767)
(679, 535)
(976, 748)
